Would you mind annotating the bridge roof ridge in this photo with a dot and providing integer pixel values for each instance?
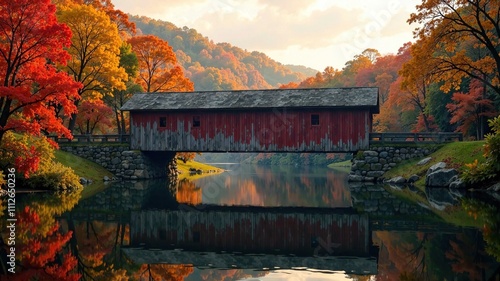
(269, 98)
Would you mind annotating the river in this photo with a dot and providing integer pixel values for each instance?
(260, 223)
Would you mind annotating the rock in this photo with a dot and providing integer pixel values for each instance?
(457, 184)
(413, 178)
(396, 180)
(116, 161)
(106, 178)
(396, 186)
(440, 178)
(375, 174)
(355, 178)
(141, 174)
(439, 198)
(370, 153)
(83, 180)
(494, 188)
(424, 161)
(435, 167)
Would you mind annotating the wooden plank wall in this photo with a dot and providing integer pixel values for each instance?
(254, 232)
(259, 131)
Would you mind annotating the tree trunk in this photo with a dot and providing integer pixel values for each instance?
(124, 128)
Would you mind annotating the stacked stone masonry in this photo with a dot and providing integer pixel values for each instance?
(370, 165)
(128, 164)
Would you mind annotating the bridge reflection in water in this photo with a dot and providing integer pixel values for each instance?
(254, 238)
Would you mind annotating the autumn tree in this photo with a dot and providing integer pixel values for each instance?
(416, 77)
(446, 25)
(158, 68)
(95, 50)
(94, 115)
(469, 108)
(32, 42)
(121, 19)
(40, 254)
(128, 60)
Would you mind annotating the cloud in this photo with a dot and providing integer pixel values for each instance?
(316, 33)
(273, 28)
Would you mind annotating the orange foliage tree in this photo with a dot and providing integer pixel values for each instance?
(469, 108)
(447, 25)
(417, 75)
(32, 42)
(158, 68)
(38, 251)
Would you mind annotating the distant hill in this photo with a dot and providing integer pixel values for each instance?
(221, 66)
(309, 72)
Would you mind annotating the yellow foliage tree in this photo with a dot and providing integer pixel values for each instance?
(95, 51)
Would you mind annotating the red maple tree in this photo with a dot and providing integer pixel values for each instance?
(31, 47)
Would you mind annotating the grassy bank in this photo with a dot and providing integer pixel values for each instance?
(455, 155)
(86, 169)
(90, 170)
(207, 170)
(344, 166)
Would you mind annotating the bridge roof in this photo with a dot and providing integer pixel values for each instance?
(275, 98)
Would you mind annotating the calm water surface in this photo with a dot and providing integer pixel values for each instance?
(259, 223)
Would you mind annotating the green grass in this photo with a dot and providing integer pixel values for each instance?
(86, 169)
(183, 169)
(455, 154)
(344, 166)
(346, 163)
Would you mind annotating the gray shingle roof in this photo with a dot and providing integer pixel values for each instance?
(275, 98)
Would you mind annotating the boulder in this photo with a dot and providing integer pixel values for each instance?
(435, 167)
(424, 161)
(440, 178)
(396, 180)
(439, 198)
(494, 188)
(413, 178)
(456, 183)
(106, 178)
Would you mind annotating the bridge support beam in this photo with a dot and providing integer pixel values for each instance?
(129, 164)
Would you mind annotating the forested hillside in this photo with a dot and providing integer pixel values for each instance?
(220, 66)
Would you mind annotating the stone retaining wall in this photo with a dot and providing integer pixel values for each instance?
(128, 164)
(370, 165)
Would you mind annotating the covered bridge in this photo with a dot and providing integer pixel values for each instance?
(278, 120)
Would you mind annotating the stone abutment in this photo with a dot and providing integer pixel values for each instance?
(128, 164)
(370, 165)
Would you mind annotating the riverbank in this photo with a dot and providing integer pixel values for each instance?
(193, 170)
(95, 173)
(455, 155)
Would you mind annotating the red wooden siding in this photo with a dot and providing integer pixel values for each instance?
(252, 131)
(253, 232)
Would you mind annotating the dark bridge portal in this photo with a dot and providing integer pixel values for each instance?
(281, 120)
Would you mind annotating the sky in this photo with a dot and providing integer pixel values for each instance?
(313, 33)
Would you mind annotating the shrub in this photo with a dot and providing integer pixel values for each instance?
(33, 157)
(54, 176)
(481, 172)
